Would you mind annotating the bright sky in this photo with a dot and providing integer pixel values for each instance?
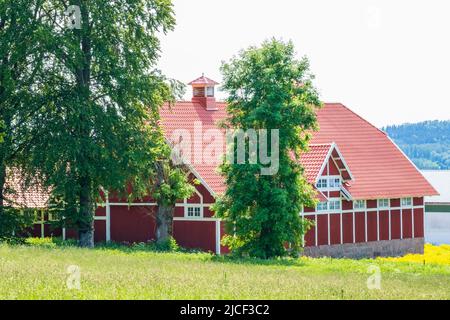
(389, 61)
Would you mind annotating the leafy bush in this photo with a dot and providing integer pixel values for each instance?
(65, 243)
(49, 242)
(41, 242)
(14, 222)
(12, 240)
(170, 245)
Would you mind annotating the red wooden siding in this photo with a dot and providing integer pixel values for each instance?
(395, 203)
(360, 227)
(208, 213)
(418, 201)
(347, 224)
(347, 205)
(418, 223)
(100, 231)
(384, 225)
(322, 228)
(334, 194)
(407, 223)
(371, 204)
(372, 226)
(195, 198)
(179, 212)
(335, 228)
(132, 224)
(100, 212)
(334, 171)
(395, 224)
(196, 234)
(310, 237)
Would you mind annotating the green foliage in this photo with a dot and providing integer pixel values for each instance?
(268, 88)
(40, 242)
(426, 143)
(169, 245)
(14, 222)
(2, 131)
(22, 36)
(102, 93)
(171, 183)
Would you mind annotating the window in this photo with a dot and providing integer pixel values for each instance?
(332, 205)
(383, 203)
(322, 206)
(322, 184)
(193, 212)
(406, 202)
(199, 91)
(335, 205)
(359, 204)
(210, 91)
(335, 183)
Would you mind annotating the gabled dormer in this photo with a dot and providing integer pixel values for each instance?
(326, 169)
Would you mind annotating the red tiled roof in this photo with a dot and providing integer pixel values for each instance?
(203, 80)
(313, 160)
(20, 195)
(379, 168)
(183, 115)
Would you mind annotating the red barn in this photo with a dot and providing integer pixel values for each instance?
(371, 195)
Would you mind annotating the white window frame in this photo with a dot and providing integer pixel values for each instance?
(332, 183)
(325, 206)
(407, 205)
(320, 182)
(193, 206)
(383, 203)
(322, 209)
(207, 93)
(338, 201)
(357, 207)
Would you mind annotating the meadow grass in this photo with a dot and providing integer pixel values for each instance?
(40, 272)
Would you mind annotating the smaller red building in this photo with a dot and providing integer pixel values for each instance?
(371, 195)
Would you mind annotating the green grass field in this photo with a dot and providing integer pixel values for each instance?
(30, 272)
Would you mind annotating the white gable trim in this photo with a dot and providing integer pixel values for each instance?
(333, 147)
(341, 157)
(203, 182)
(324, 164)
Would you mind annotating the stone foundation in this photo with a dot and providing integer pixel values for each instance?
(372, 249)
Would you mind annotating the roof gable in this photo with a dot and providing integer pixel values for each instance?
(379, 168)
(336, 156)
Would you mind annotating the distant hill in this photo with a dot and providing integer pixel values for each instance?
(426, 143)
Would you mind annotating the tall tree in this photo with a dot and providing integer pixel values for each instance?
(171, 184)
(21, 62)
(268, 88)
(102, 102)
